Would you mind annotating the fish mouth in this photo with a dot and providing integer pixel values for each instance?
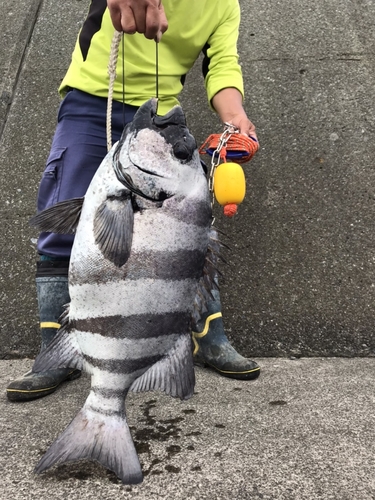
(149, 172)
(146, 117)
(127, 181)
(172, 127)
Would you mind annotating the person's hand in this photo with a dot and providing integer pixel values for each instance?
(244, 125)
(138, 16)
(228, 104)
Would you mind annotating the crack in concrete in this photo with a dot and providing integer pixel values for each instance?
(16, 63)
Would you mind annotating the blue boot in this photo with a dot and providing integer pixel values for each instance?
(212, 348)
(53, 294)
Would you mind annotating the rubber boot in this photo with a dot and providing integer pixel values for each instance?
(212, 348)
(52, 294)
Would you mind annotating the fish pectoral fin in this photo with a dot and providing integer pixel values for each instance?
(174, 373)
(61, 218)
(113, 229)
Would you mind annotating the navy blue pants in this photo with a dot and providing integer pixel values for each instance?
(79, 146)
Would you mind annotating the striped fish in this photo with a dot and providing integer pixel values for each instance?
(138, 271)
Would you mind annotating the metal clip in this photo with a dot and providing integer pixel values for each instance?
(229, 129)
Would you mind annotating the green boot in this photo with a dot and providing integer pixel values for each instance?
(53, 294)
(212, 348)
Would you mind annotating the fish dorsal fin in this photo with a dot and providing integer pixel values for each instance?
(113, 228)
(61, 218)
(173, 374)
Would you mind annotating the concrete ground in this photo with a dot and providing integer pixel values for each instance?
(303, 431)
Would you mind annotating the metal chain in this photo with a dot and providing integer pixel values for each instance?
(229, 130)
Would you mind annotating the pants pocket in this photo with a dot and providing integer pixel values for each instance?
(51, 180)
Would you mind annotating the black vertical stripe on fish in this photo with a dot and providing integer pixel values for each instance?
(174, 265)
(136, 326)
(106, 412)
(199, 214)
(108, 393)
(118, 365)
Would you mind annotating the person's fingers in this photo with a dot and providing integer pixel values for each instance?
(146, 18)
(252, 133)
(246, 127)
(155, 23)
(163, 21)
(152, 23)
(143, 14)
(116, 17)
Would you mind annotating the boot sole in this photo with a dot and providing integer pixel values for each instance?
(248, 375)
(15, 395)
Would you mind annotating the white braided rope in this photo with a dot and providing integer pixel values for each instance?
(113, 56)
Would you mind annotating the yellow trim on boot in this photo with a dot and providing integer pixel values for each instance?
(199, 335)
(49, 324)
(25, 391)
(227, 372)
(43, 389)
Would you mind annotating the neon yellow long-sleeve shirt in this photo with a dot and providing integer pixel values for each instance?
(210, 26)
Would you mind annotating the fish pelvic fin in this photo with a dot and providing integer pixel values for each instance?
(174, 373)
(61, 218)
(62, 352)
(97, 437)
(113, 228)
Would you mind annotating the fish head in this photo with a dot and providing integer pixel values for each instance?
(157, 157)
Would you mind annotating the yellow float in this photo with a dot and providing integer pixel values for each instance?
(229, 186)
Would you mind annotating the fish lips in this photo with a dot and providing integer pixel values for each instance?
(171, 126)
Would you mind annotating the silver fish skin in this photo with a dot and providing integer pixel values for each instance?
(140, 248)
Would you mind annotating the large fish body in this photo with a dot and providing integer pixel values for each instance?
(139, 252)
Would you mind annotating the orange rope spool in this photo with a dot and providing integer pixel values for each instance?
(239, 148)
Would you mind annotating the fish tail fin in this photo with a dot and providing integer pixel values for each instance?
(102, 438)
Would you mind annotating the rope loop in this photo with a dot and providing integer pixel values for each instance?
(112, 77)
(235, 147)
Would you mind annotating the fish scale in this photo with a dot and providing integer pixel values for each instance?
(137, 263)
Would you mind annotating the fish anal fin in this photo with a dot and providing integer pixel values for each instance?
(61, 218)
(62, 352)
(174, 373)
(102, 438)
(113, 229)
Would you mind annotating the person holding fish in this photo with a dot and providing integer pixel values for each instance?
(183, 29)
